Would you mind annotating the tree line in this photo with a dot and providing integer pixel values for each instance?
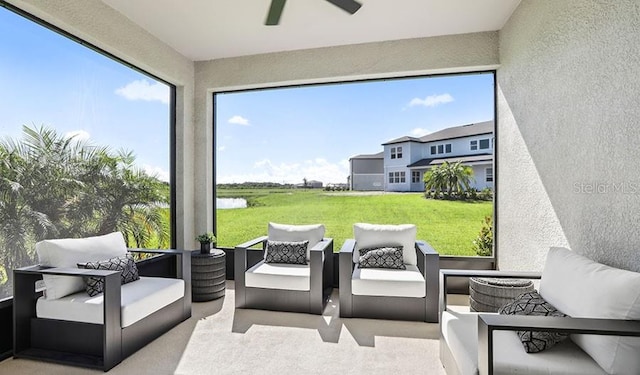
(57, 186)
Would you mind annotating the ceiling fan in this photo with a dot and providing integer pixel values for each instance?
(275, 11)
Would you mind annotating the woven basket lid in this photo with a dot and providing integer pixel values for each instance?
(514, 283)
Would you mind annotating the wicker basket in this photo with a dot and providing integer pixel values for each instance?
(488, 294)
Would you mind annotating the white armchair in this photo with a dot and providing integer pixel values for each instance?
(98, 322)
(291, 271)
(602, 305)
(384, 291)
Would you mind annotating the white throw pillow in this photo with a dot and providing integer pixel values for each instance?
(582, 288)
(313, 233)
(68, 252)
(373, 235)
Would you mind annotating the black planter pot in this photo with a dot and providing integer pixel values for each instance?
(205, 247)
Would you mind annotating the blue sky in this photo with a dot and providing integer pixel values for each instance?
(278, 135)
(46, 79)
(287, 134)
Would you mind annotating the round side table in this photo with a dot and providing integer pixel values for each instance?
(208, 275)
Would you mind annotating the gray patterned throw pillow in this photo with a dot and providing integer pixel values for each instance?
(124, 263)
(382, 257)
(287, 252)
(531, 303)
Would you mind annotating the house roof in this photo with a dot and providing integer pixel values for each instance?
(429, 162)
(449, 133)
(379, 155)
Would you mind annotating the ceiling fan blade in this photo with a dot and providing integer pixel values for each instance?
(350, 6)
(275, 11)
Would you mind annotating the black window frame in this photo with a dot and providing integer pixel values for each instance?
(485, 142)
(433, 150)
(447, 148)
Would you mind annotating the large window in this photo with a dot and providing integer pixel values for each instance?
(289, 154)
(85, 146)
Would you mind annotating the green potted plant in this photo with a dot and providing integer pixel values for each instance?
(206, 239)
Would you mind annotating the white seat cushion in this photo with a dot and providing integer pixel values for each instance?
(296, 233)
(69, 252)
(279, 276)
(376, 235)
(460, 334)
(138, 300)
(580, 287)
(388, 282)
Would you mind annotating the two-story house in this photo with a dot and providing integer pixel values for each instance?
(405, 160)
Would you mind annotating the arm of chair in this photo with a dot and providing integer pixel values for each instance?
(446, 273)
(25, 298)
(319, 256)
(488, 323)
(345, 269)
(241, 265)
(429, 265)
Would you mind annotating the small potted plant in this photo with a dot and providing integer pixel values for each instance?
(205, 242)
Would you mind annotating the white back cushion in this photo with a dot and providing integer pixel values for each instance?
(580, 287)
(374, 235)
(295, 233)
(69, 252)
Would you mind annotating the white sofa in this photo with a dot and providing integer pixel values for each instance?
(66, 324)
(603, 308)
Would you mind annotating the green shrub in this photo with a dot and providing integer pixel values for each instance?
(483, 244)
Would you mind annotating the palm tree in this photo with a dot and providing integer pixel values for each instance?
(55, 186)
(454, 179)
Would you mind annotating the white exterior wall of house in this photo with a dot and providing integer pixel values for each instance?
(415, 151)
(398, 165)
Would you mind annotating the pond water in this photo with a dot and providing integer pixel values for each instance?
(228, 203)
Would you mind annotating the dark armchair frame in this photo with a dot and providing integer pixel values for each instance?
(100, 346)
(312, 301)
(489, 323)
(396, 308)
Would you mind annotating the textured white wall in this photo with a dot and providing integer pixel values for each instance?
(569, 132)
(95, 22)
(466, 52)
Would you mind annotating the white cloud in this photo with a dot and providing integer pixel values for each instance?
(238, 120)
(431, 100)
(419, 132)
(78, 135)
(143, 90)
(293, 173)
(158, 172)
(222, 148)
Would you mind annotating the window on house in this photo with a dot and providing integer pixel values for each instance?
(393, 152)
(98, 131)
(415, 177)
(391, 177)
(473, 145)
(447, 148)
(489, 174)
(440, 149)
(399, 153)
(402, 178)
(433, 150)
(484, 144)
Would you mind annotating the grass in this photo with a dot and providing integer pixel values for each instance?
(449, 226)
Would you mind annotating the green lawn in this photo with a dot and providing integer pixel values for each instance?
(449, 226)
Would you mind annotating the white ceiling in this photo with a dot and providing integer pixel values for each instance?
(212, 29)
